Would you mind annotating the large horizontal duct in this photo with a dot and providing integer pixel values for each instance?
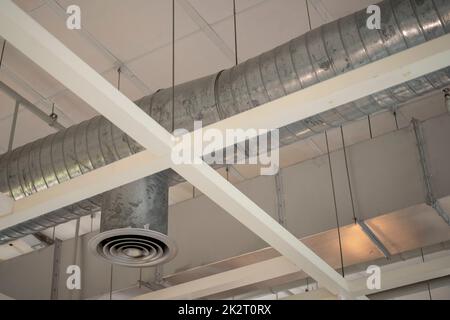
(318, 55)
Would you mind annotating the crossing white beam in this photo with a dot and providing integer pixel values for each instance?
(404, 276)
(225, 281)
(391, 278)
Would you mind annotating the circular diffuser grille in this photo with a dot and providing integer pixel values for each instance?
(133, 247)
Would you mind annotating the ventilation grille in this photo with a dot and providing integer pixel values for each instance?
(133, 247)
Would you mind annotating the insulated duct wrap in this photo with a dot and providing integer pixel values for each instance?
(318, 55)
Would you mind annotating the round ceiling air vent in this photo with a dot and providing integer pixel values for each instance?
(133, 247)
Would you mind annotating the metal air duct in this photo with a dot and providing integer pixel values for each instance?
(318, 55)
(134, 222)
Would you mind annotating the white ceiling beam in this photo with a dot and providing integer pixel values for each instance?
(225, 281)
(85, 186)
(404, 276)
(391, 278)
(407, 273)
(322, 10)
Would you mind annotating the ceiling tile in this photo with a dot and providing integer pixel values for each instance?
(196, 56)
(53, 19)
(29, 5)
(425, 108)
(295, 153)
(215, 10)
(264, 27)
(356, 131)
(126, 86)
(248, 171)
(382, 123)
(73, 107)
(18, 64)
(131, 28)
(342, 8)
(181, 192)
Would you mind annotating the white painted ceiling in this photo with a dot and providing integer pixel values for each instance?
(136, 35)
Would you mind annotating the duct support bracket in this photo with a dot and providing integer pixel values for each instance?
(281, 206)
(56, 268)
(375, 240)
(430, 198)
(27, 104)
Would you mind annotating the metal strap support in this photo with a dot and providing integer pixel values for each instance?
(430, 198)
(56, 268)
(375, 240)
(280, 199)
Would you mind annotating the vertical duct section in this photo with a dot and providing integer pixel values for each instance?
(134, 222)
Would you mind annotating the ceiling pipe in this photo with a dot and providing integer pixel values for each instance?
(318, 55)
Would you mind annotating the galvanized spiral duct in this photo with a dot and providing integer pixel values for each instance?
(134, 224)
(318, 55)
